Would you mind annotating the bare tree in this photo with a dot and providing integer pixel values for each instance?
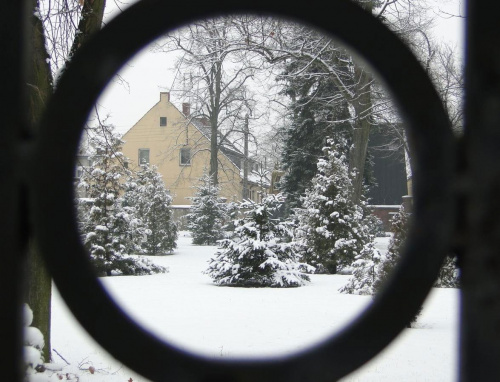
(440, 60)
(319, 56)
(214, 80)
(215, 77)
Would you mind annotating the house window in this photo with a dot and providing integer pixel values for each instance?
(185, 156)
(79, 172)
(143, 156)
(163, 121)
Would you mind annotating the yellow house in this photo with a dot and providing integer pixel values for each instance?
(179, 145)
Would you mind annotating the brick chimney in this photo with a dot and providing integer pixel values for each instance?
(186, 109)
(164, 96)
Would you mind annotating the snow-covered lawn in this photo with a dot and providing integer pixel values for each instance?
(187, 309)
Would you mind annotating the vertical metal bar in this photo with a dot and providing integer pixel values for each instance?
(480, 315)
(12, 35)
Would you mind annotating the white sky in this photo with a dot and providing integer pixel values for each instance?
(148, 73)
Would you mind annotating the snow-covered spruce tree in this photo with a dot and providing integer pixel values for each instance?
(364, 272)
(260, 255)
(146, 192)
(231, 214)
(111, 231)
(399, 228)
(449, 274)
(330, 230)
(207, 213)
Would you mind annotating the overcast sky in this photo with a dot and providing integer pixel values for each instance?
(148, 73)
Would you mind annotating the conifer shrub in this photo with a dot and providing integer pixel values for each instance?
(330, 227)
(365, 270)
(146, 192)
(261, 253)
(111, 231)
(207, 213)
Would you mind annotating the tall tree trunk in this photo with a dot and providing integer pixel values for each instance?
(357, 156)
(214, 149)
(90, 22)
(362, 106)
(38, 289)
(215, 96)
(39, 284)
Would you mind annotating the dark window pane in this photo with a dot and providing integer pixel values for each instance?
(143, 156)
(185, 156)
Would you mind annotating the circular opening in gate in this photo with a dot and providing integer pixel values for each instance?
(284, 225)
(416, 273)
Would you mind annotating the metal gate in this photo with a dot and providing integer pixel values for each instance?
(456, 194)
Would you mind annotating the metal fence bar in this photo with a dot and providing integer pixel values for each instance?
(480, 318)
(12, 38)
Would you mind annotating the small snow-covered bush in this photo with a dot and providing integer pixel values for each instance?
(372, 270)
(36, 370)
(207, 213)
(261, 254)
(33, 343)
(364, 272)
(449, 274)
(375, 225)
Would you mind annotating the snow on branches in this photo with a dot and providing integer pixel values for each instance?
(331, 232)
(261, 254)
(208, 213)
(146, 192)
(111, 230)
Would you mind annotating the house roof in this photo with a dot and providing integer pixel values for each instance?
(232, 152)
(227, 146)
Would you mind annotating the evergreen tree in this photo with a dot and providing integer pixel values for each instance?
(311, 120)
(371, 269)
(364, 272)
(207, 216)
(330, 227)
(261, 255)
(147, 194)
(399, 227)
(111, 231)
(232, 212)
(449, 274)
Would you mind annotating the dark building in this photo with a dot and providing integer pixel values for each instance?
(388, 169)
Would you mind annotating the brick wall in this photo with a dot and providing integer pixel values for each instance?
(385, 213)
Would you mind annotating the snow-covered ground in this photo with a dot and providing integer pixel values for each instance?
(187, 309)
